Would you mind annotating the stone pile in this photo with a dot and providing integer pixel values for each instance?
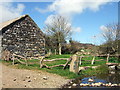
(99, 84)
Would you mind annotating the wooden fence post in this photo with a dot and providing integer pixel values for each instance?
(13, 60)
(108, 55)
(55, 52)
(80, 60)
(49, 51)
(93, 60)
(41, 60)
(26, 61)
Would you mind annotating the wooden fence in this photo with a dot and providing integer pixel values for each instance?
(68, 60)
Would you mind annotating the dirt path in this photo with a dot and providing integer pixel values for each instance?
(21, 78)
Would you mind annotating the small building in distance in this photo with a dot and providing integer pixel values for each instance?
(22, 36)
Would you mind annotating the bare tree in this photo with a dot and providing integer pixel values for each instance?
(111, 35)
(59, 29)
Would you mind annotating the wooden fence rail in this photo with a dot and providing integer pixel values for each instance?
(68, 60)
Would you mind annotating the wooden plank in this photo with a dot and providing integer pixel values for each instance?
(57, 65)
(69, 60)
(56, 59)
(112, 63)
(13, 60)
(107, 58)
(93, 60)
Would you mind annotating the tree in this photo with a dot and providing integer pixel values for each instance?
(111, 35)
(59, 29)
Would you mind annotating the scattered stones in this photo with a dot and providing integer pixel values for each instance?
(28, 77)
(98, 84)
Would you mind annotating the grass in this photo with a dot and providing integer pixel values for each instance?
(59, 56)
(101, 70)
(34, 64)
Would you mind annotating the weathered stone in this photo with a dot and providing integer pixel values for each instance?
(74, 85)
(112, 67)
(90, 80)
(45, 78)
(14, 79)
(29, 80)
(34, 78)
(74, 65)
(19, 37)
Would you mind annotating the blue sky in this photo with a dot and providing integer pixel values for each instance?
(88, 20)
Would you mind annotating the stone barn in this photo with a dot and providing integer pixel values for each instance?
(22, 36)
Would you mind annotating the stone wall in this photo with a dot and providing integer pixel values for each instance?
(23, 37)
(0, 44)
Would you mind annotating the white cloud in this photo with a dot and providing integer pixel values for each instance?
(50, 19)
(8, 11)
(69, 8)
(41, 10)
(76, 29)
(103, 28)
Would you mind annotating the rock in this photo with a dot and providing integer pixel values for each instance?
(117, 67)
(14, 79)
(29, 80)
(106, 84)
(71, 82)
(90, 80)
(45, 78)
(115, 84)
(112, 67)
(23, 79)
(112, 72)
(34, 78)
(74, 65)
(74, 85)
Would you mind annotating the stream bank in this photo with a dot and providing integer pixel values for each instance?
(105, 78)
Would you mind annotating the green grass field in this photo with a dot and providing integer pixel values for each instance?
(34, 64)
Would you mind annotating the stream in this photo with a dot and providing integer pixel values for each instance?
(112, 79)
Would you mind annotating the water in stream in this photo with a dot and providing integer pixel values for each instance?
(107, 80)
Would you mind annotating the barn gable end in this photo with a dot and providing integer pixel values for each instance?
(23, 37)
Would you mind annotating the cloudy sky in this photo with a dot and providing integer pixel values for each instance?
(88, 19)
